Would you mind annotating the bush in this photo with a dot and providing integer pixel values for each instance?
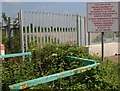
(51, 59)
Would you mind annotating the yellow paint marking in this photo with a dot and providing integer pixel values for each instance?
(82, 70)
(24, 86)
(88, 69)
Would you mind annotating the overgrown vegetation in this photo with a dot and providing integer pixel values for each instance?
(51, 59)
(11, 42)
(12, 45)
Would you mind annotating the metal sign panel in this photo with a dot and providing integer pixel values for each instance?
(103, 17)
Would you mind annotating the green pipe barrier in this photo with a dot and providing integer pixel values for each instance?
(22, 85)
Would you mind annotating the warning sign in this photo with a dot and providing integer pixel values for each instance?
(103, 17)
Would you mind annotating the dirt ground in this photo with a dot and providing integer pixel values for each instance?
(115, 58)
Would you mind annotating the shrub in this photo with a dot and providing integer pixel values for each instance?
(51, 59)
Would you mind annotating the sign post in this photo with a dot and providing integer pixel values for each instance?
(103, 17)
(102, 47)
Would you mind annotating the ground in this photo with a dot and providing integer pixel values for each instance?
(115, 58)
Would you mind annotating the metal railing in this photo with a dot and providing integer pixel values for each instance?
(90, 64)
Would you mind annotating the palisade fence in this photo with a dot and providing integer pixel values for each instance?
(41, 28)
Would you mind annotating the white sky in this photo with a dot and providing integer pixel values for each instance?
(59, 0)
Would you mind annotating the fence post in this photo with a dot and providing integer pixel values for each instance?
(0, 33)
(85, 31)
(21, 33)
(79, 31)
(77, 23)
(8, 28)
(82, 31)
(88, 38)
